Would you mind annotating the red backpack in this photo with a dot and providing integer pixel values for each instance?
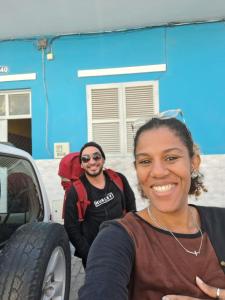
(70, 170)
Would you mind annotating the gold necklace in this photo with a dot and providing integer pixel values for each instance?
(196, 253)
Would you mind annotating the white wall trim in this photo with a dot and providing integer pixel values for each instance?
(17, 77)
(122, 71)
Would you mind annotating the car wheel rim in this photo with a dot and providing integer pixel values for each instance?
(55, 276)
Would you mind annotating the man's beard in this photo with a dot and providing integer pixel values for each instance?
(94, 174)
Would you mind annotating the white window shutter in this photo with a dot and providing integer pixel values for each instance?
(113, 108)
(139, 104)
(105, 118)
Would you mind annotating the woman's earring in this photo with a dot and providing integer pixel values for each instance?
(194, 174)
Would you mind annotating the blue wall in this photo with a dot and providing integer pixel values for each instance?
(195, 58)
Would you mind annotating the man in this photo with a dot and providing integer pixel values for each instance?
(107, 200)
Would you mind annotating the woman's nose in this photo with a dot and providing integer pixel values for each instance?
(159, 169)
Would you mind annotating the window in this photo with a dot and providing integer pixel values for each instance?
(15, 118)
(20, 196)
(15, 105)
(113, 107)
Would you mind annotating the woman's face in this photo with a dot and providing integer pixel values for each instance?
(164, 168)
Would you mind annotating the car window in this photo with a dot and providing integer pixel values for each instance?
(20, 197)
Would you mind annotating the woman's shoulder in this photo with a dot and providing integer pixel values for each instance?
(210, 210)
(121, 227)
(106, 238)
(131, 226)
(118, 224)
(211, 215)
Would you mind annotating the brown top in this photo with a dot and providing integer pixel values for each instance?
(163, 267)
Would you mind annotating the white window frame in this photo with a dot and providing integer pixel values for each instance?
(11, 92)
(122, 108)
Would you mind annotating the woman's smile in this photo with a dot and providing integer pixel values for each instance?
(163, 188)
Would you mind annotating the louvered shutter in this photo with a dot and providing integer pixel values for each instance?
(105, 118)
(139, 104)
(113, 108)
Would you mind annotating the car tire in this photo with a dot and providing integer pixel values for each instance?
(36, 263)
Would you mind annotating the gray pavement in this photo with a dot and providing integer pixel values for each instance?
(77, 277)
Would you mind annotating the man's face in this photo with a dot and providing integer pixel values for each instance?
(92, 161)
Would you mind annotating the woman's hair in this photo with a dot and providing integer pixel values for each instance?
(182, 132)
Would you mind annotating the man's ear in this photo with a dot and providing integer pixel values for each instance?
(196, 161)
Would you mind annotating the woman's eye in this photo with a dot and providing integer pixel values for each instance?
(171, 158)
(144, 162)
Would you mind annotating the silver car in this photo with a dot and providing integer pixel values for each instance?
(35, 259)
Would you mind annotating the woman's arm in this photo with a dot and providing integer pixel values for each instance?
(109, 264)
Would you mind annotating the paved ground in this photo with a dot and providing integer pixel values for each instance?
(77, 277)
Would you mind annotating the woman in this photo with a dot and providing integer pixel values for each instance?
(170, 250)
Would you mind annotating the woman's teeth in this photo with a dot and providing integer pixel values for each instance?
(163, 188)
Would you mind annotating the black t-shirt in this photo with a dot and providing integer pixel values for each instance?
(106, 204)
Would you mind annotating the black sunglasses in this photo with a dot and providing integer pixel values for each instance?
(87, 157)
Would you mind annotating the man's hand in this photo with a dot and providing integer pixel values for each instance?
(211, 291)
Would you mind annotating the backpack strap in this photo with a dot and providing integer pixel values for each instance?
(66, 186)
(82, 200)
(114, 176)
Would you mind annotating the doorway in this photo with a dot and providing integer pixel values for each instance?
(19, 134)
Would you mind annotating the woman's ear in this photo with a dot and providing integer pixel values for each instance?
(196, 161)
